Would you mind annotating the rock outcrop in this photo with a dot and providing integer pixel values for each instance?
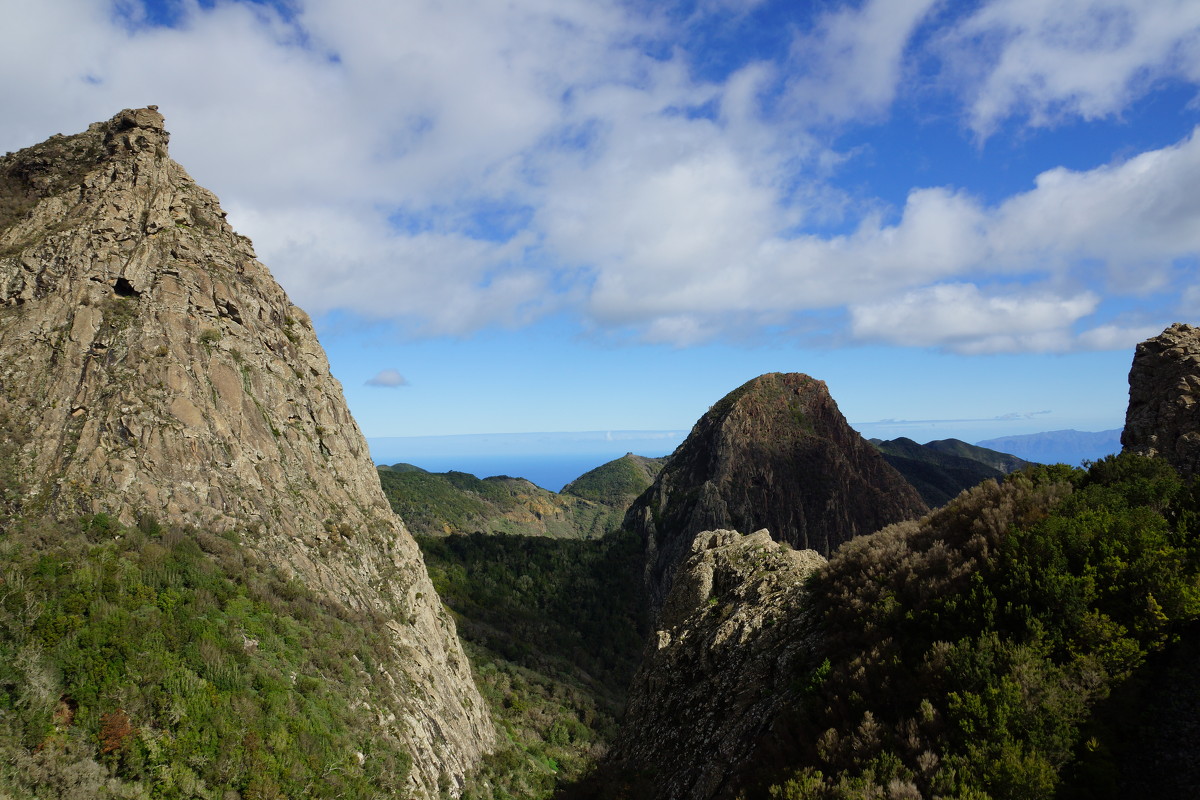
(150, 364)
(777, 454)
(734, 636)
(1163, 418)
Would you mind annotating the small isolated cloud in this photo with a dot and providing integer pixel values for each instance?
(389, 379)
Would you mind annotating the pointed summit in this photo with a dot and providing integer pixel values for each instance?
(777, 454)
(152, 365)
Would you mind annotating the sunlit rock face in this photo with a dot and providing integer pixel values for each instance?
(150, 364)
(1163, 418)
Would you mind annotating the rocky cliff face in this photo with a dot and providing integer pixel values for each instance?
(1163, 417)
(151, 365)
(777, 454)
(733, 636)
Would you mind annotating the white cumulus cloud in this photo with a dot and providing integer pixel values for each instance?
(1052, 61)
(965, 319)
(459, 166)
(852, 62)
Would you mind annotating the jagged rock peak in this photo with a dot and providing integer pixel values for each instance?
(777, 454)
(149, 363)
(1163, 418)
(706, 702)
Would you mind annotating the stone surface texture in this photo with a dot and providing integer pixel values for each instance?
(733, 635)
(776, 453)
(152, 364)
(1163, 418)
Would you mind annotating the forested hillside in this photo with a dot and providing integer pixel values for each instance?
(994, 649)
(618, 482)
(554, 629)
(161, 662)
(442, 503)
(942, 469)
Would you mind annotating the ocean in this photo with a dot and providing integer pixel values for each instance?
(550, 460)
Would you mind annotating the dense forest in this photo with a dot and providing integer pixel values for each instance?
(554, 630)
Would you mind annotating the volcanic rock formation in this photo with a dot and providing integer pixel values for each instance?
(152, 365)
(777, 454)
(734, 634)
(1163, 418)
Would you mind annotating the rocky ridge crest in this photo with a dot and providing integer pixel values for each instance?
(152, 365)
(1163, 417)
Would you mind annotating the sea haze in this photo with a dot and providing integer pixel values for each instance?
(550, 460)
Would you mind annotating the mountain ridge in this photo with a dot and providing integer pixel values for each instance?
(941, 470)
(153, 366)
(1058, 447)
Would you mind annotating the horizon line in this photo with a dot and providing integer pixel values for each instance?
(665, 432)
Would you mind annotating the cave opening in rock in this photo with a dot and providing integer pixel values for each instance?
(124, 288)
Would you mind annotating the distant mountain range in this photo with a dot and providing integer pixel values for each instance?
(1059, 447)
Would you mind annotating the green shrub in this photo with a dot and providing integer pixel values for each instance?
(968, 652)
(169, 660)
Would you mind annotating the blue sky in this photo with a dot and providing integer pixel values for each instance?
(583, 215)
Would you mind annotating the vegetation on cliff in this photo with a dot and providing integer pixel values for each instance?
(554, 629)
(968, 654)
(158, 662)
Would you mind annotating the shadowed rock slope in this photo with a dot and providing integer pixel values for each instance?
(940, 470)
(1163, 417)
(734, 634)
(152, 365)
(777, 454)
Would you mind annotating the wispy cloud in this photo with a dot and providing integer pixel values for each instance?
(850, 65)
(1053, 62)
(1009, 417)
